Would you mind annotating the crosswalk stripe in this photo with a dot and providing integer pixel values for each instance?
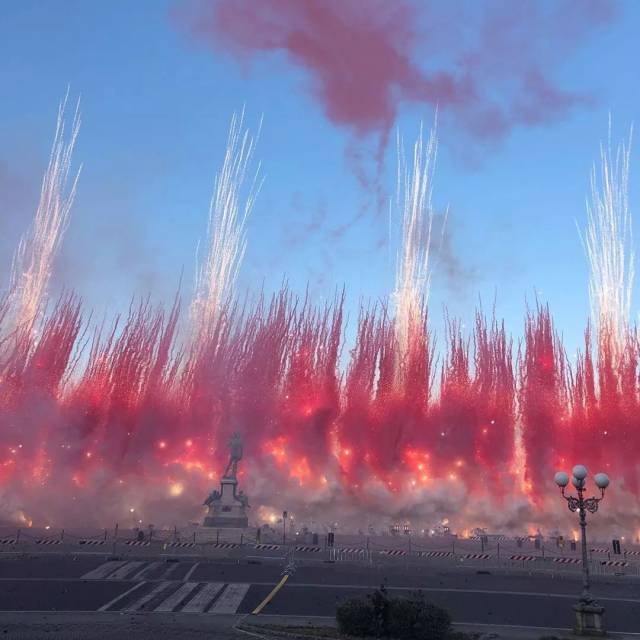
(190, 572)
(170, 569)
(230, 599)
(145, 571)
(105, 607)
(121, 572)
(201, 600)
(177, 597)
(139, 604)
(103, 570)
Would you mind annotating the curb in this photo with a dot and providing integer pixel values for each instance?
(500, 632)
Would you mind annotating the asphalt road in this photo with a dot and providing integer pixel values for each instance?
(188, 588)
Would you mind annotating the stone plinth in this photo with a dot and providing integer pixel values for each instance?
(589, 619)
(227, 508)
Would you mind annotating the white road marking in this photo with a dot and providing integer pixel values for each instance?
(101, 572)
(231, 598)
(138, 604)
(177, 597)
(122, 572)
(547, 594)
(170, 569)
(203, 598)
(148, 569)
(117, 599)
(190, 572)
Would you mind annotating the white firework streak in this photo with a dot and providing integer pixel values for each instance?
(608, 245)
(33, 260)
(413, 270)
(226, 230)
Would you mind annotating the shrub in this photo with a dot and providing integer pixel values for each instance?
(380, 601)
(415, 619)
(356, 617)
(402, 618)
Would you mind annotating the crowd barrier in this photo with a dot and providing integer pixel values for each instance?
(503, 553)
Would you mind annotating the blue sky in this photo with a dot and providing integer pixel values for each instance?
(156, 104)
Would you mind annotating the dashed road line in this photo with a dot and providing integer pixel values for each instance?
(525, 594)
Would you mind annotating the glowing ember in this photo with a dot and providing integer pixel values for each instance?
(176, 489)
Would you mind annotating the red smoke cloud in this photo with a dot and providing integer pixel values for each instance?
(489, 65)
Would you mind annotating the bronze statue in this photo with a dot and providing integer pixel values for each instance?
(227, 507)
(235, 445)
(213, 497)
(243, 499)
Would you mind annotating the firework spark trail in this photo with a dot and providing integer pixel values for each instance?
(606, 392)
(543, 397)
(393, 362)
(494, 385)
(144, 425)
(312, 385)
(226, 232)
(116, 437)
(413, 276)
(457, 410)
(4, 310)
(605, 406)
(608, 242)
(32, 263)
(357, 395)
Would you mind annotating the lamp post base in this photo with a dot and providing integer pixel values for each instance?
(589, 619)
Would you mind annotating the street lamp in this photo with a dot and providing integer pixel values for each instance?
(588, 612)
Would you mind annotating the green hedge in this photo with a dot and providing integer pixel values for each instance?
(356, 617)
(378, 615)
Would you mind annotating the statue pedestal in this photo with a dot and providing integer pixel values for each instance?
(588, 619)
(227, 510)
